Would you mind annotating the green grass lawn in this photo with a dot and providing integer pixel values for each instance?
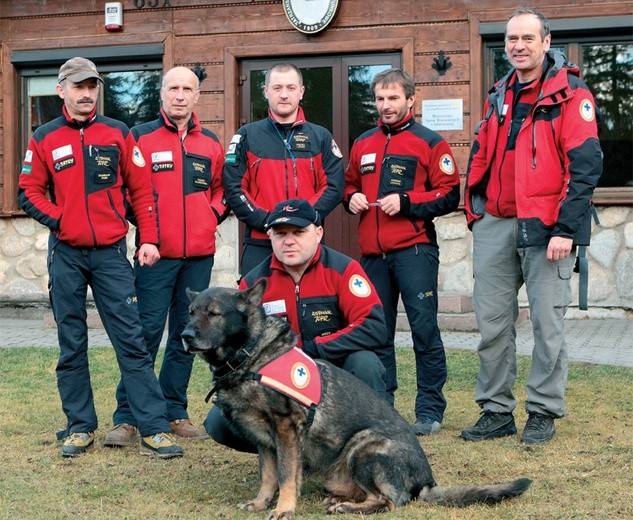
(585, 472)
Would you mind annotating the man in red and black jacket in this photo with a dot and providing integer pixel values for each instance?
(85, 161)
(278, 158)
(185, 161)
(325, 296)
(400, 177)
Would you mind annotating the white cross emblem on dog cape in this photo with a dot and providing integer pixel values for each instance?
(294, 374)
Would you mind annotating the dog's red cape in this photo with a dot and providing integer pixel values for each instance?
(294, 374)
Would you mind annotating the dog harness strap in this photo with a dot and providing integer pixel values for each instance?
(294, 374)
(213, 390)
(310, 418)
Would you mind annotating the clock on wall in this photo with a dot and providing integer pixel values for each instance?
(310, 16)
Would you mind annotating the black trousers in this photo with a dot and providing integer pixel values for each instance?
(108, 273)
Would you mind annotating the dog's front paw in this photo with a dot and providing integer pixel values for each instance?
(276, 514)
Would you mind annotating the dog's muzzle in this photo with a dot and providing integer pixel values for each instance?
(189, 341)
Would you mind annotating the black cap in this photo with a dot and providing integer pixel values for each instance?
(294, 212)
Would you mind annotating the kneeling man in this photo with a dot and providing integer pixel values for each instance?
(327, 298)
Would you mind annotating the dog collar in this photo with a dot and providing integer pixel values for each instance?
(230, 366)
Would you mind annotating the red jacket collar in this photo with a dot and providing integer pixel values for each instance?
(301, 118)
(76, 122)
(399, 126)
(192, 126)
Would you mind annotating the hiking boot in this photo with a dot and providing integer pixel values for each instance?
(490, 426)
(78, 443)
(184, 428)
(161, 445)
(426, 426)
(539, 429)
(121, 435)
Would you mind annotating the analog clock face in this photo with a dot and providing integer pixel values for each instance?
(310, 16)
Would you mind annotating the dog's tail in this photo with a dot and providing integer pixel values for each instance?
(460, 496)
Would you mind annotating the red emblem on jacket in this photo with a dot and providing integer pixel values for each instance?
(294, 374)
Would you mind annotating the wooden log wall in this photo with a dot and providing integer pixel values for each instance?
(217, 34)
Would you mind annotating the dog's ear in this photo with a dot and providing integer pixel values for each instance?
(256, 293)
(191, 294)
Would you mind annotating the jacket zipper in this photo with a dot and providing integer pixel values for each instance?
(384, 155)
(92, 231)
(183, 150)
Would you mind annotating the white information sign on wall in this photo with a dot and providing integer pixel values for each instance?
(443, 114)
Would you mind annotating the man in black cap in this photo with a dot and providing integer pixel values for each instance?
(326, 297)
(84, 161)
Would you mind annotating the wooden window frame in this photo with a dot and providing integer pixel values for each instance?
(19, 55)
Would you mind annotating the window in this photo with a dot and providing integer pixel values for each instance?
(131, 90)
(603, 50)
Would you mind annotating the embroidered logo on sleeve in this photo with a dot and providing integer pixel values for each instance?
(137, 157)
(358, 286)
(335, 149)
(447, 165)
(587, 110)
(231, 151)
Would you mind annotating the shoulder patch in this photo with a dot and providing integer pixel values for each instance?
(358, 286)
(447, 165)
(28, 157)
(137, 157)
(335, 149)
(587, 110)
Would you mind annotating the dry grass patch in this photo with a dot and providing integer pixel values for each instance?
(585, 472)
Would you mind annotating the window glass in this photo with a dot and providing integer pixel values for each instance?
(44, 103)
(608, 70)
(132, 97)
(362, 109)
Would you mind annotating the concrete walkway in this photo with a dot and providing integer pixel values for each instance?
(598, 341)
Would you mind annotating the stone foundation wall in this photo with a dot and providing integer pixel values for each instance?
(610, 259)
(23, 248)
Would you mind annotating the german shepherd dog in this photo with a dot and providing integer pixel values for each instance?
(372, 460)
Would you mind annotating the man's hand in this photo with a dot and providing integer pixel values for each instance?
(390, 204)
(358, 203)
(559, 248)
(148, 255)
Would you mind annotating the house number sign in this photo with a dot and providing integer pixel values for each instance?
(310, 16)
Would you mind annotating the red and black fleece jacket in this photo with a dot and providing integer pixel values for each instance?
(334, 308)
(416, 163)
(267, 162)
(73, 177)
(186, 173)
(557, 156)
